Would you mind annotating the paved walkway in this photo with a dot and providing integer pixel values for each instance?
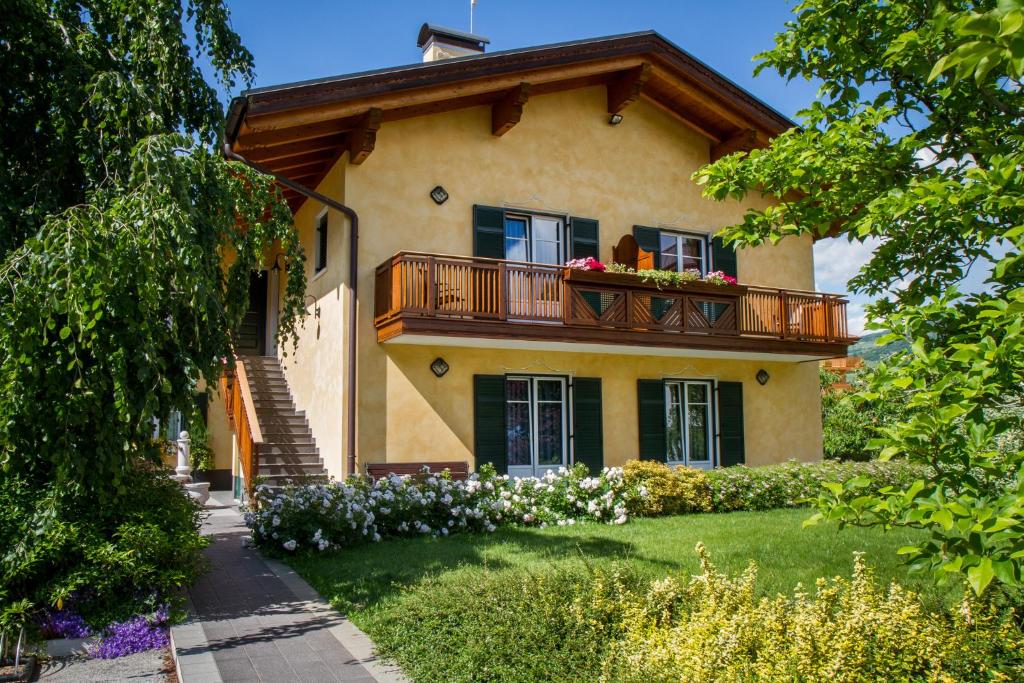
(254, 619)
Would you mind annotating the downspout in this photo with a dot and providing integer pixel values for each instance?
(234, 118)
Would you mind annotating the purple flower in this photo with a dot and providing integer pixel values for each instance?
(63, 624)
(135, 635)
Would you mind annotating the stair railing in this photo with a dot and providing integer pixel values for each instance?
(242, 412)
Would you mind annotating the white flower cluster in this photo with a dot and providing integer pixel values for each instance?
(339, 514)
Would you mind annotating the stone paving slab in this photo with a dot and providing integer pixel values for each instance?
(255, 619)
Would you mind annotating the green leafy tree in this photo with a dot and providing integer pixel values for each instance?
(916, 141)
(850, 422)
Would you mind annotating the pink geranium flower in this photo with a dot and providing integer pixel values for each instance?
(588, 263)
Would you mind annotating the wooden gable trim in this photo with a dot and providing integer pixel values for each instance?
(506, 112)
(743, 141)
(362, 139)
(625, 89)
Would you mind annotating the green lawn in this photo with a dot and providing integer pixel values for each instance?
(364, 577)
(380, 586)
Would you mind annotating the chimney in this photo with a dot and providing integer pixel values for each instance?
(439, 43)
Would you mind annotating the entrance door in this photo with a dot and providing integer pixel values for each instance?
(536, 425)
(251, 337)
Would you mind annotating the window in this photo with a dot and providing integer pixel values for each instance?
(320, 251)
(535, 425)
(537, 239)
(688, 422)
(681, 252)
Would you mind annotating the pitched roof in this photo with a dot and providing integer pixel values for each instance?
(300, 129)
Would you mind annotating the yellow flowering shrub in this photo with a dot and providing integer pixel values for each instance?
(715, 629)
(668, 491)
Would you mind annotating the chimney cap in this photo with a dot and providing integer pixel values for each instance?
(451, 36)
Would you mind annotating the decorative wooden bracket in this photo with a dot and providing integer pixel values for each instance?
(625, 89)
(506, 112)
(743, 141)
(363, 137)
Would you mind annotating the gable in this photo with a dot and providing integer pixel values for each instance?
(300, 130)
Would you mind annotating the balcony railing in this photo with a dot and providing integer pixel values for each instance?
(415, 285)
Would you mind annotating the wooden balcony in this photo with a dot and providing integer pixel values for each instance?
(431, 296)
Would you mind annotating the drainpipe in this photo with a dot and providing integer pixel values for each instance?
(353, 269)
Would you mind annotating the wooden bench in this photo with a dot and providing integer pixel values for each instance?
(378, 470)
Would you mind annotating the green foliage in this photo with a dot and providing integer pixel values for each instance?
(84, 82)
(715, 628)
(110, 564)
(850, 422)
(668, 491)
(200, 454)
(113, 313)
(872, 352)
(683, 490)
(915, 141)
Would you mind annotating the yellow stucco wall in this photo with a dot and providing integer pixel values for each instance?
(776, 421)
(562, 157)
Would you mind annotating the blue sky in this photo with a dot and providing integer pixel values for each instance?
(305, 39)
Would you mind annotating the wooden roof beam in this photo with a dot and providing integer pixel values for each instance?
(742, 141)
(362, 139)
(506, 112)
(625, 89)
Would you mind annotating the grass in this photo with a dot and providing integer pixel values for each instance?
(418, 597)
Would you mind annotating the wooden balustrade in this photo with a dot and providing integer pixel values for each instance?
(234, 387)
(474, 289)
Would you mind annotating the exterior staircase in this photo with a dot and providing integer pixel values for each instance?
(288, 454)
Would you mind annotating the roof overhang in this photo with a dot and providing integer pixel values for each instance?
(300, 130)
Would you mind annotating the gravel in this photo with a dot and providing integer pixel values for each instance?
(150, 667)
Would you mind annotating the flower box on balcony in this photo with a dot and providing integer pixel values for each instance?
(634, 281)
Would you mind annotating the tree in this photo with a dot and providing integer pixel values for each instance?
(117, 215)
(916, 141)
(850, 422)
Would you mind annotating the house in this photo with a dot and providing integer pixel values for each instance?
(841, 367)
(448, 331)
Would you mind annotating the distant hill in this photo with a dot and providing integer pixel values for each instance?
(866, 349)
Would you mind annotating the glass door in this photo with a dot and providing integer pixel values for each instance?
(536, 425)
(534, 294)
(688, 423)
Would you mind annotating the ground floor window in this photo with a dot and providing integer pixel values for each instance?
(688, 423)
(536, 425)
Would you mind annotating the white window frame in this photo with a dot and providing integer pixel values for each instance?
(535, 469)
(529, 218)
(321, 219)
(683, 407)
(679, 236)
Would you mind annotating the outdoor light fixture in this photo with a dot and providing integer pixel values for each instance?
(762, 377)
(439, 195)
(615, 119)
(277, 261)
(439, 367)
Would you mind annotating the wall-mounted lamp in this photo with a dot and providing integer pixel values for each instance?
(614, 119)
(278, 264)
(439, 195)
(439, 367)
(762, 377)
(316, 307)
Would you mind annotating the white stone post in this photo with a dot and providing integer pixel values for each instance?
(184, 470)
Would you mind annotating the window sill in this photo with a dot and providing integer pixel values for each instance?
(318, 274)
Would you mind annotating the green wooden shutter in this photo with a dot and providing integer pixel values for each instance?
(723, 257)
(489, 442)
(649, 239)
(651, 401)
(588, 423)
(585, 238)
(488, 232)
(730, 424)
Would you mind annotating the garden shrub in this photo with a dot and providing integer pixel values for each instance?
(107, 563)
(715, 628)
(668, 491)
(338, 514)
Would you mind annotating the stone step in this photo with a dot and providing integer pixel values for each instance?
(285, 433)
(291, 470)
(280, 420)
(278, 481)
(310, 459)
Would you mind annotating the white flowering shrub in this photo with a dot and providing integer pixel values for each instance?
(340, 514)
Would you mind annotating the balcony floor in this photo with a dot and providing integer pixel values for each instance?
(460, 332)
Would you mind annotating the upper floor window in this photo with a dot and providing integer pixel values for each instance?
(682, 251)
(320, 249)
(537, 239)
